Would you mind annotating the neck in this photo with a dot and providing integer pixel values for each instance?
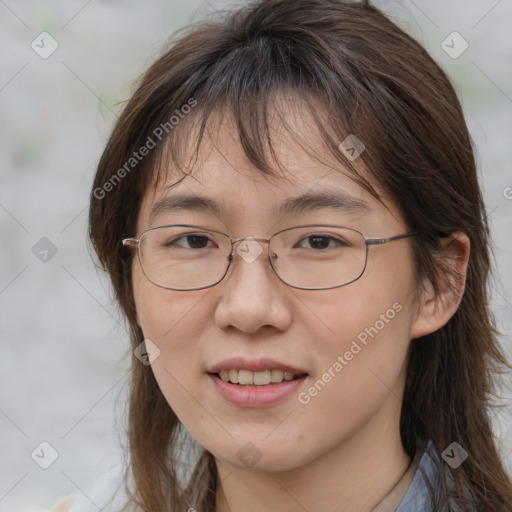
(356, 475)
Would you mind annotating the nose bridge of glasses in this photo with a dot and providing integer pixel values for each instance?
(241, 239)
(252, 250)
(238, 240)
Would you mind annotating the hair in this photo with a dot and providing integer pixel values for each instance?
(358, 73)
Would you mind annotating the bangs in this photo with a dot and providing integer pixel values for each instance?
(263, 91)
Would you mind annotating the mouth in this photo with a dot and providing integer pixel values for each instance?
(256, 389)
(265, 378)
(256, 383)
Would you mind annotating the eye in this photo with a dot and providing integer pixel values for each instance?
(318, 241)
(193, 241)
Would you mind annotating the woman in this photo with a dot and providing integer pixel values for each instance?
(289, 212)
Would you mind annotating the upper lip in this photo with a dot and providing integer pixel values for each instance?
(255, 365)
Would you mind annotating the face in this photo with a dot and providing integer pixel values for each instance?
(349, 344)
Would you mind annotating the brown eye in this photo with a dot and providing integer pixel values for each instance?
(322, 242)
(193, 241)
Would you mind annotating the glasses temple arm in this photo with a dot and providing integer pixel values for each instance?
(132, 242)
(381, 241)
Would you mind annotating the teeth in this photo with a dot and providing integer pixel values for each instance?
(248, 378)
(245, 377)
(277, 375)
(262, 378)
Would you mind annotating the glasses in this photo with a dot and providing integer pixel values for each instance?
(311, 257)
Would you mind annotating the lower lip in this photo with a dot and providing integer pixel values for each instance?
(256, 396)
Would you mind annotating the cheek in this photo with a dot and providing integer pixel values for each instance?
(174, 326)
(363, 346)
(356, 372)
(172, 322)
(162, 313)
(374, 313)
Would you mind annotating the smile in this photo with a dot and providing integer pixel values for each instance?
(254, 396)
(261, 378)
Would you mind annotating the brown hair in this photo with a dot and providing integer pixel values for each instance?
(373, 80)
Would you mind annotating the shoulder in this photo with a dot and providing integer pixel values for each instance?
(427, 480)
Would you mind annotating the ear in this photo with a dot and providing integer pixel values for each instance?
(434, 311)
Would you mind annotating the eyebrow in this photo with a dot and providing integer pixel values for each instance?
(306, 202)
(324, 200)
(182, 202)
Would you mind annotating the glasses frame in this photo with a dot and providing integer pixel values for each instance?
(135, 242)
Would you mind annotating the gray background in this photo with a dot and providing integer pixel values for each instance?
(64, 350)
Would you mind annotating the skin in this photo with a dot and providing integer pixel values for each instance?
(343, 447)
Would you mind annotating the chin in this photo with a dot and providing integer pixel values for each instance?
(262, 455)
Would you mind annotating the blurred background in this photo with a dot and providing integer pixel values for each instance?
(65, 69)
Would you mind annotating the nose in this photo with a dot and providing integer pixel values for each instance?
(252, 295)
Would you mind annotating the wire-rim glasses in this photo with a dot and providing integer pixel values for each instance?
(169, 265)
